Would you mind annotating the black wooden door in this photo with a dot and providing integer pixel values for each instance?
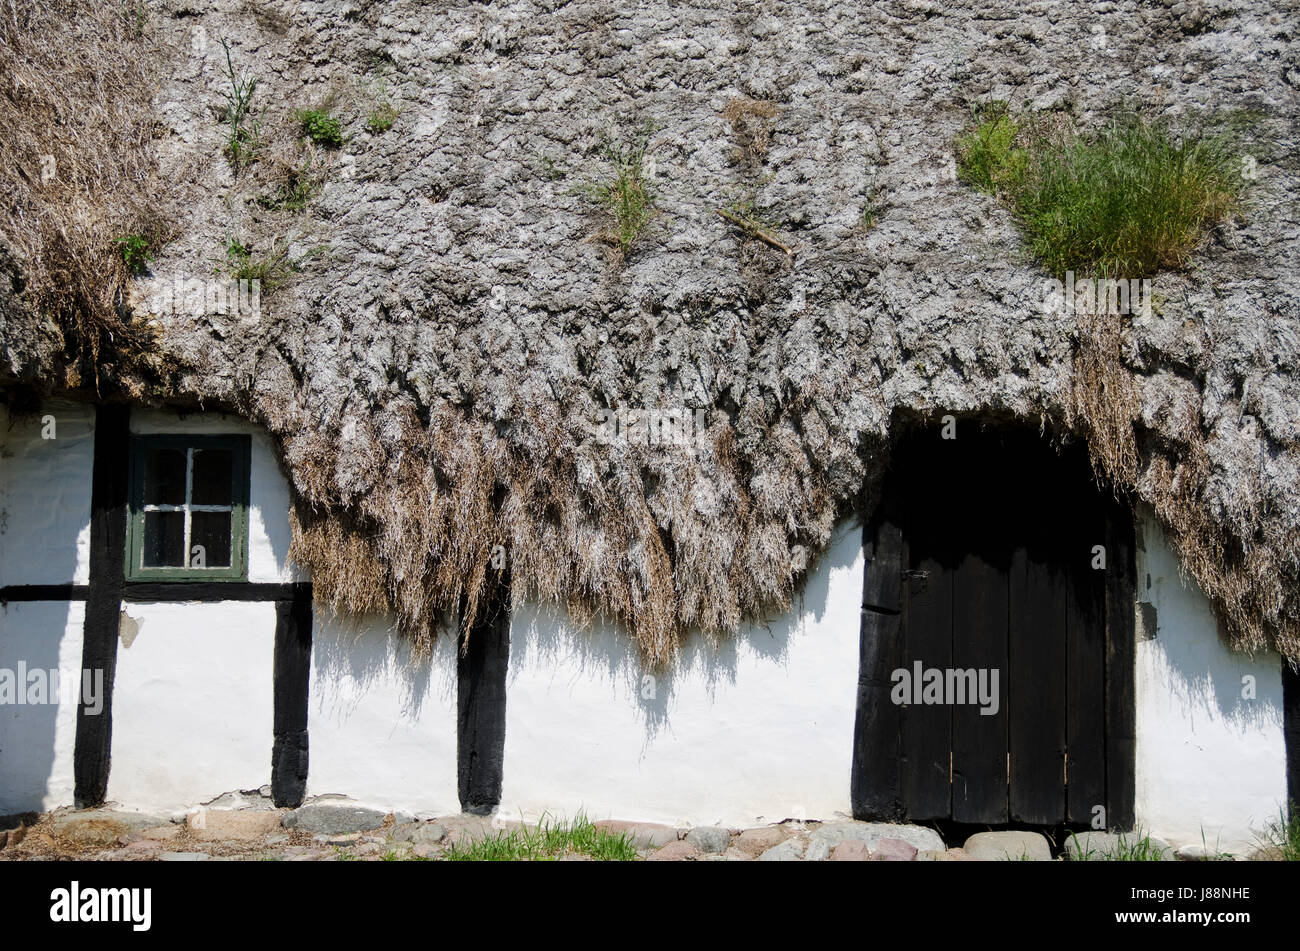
(1006, 552)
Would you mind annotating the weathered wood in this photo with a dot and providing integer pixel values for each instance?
(1291, 733)
(874, 780)
(927, 728)
(1035, 688)
(481, 702)
(1121, 701)
(208, 591)
(108, 500)
(979, 643)
(1085, 690)
(44, 592)
(290, 679)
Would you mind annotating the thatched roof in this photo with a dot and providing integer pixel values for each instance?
(435, 370)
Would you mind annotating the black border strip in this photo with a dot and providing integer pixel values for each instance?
(1121, 668)
(1291, 733)
(481, 664)
(160, 591)
(44, 592)
(291, 679)
(875, 778)
(108, 492)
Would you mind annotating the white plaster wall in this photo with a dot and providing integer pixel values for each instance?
(45, 496)
(268, 518)
(1209, 761)
(192, 704)
(381, 721)
(756, 731)
(36, 742)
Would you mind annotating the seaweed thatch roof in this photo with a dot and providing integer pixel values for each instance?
(452, 317)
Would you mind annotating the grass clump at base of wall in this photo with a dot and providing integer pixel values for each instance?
(1282, 835)
(549, 840)
(1128, 199)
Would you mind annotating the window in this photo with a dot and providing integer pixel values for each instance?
(189, 508)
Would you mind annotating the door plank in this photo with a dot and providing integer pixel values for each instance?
(874, 783)
(1036, 688)
(979, 741)
(1085, 691)
(927, 728)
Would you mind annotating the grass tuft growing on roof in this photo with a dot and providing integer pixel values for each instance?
(626, 197)
(1129, 199)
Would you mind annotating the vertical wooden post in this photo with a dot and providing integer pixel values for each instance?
(292, 670)
(874, 785)
(1291, 733)
(1121, 692)
(94, 738)
(483, 656)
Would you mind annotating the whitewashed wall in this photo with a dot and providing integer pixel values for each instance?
(36, 742)
(1209, 760)
(192, 704)
(45, 495)
(44, 539)
(759, 730)
(382, 722)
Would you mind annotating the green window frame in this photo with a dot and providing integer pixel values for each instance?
(187, 509)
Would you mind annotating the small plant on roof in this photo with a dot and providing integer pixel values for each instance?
(626, 197)
(245, 129)
(321, 127)
(135, 252)
(381, 117)
(1128, 200)
(271, 269)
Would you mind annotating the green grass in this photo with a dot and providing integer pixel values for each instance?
(548, 840)
(626, 197)
(1128, 199)
(1131, 848)
(321, 127)
(1283, 834)
(135, 252)
(244, 128)
(271, 269)
(381, 118)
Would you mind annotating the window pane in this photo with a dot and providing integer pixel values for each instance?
(164, 539)
(212, 531)
(212, 477)
(164, 477)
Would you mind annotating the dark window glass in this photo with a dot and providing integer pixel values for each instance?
(164, 477)
(211, 484)
(212, 531)
(164, 539)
